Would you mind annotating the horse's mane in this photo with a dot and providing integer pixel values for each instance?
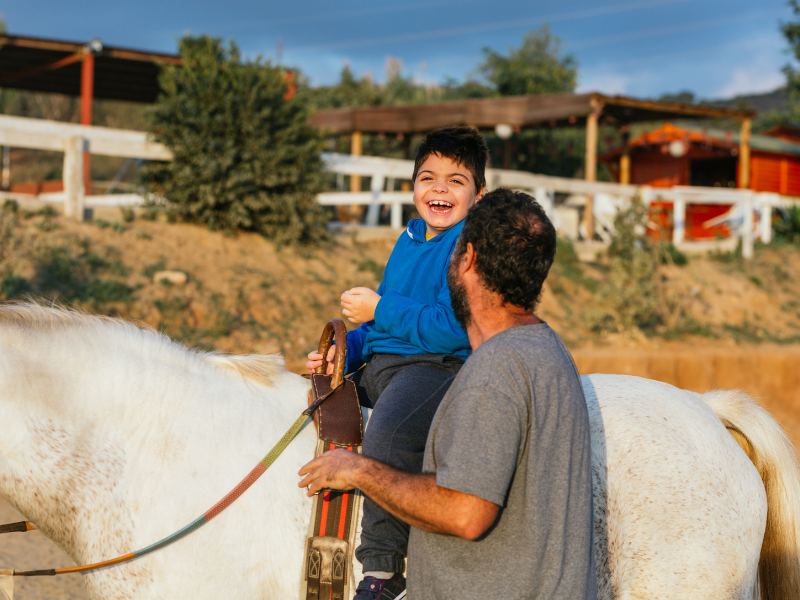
(261, 368)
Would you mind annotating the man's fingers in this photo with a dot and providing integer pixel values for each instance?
(310, 466)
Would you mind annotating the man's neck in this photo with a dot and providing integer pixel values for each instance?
(491, 316)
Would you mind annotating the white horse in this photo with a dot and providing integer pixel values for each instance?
(112, 437)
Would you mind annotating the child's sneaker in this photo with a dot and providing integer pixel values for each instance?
(372, 588)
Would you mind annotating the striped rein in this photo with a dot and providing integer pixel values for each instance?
(229, 499)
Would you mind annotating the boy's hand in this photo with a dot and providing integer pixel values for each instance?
(358, 304)
(315, 360)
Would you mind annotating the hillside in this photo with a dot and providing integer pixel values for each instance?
(243, 294)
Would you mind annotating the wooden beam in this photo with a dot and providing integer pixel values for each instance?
(590, 169)
(744, 154)
(77, 47)
(677, 109)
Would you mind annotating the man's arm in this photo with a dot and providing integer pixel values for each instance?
(413, 498)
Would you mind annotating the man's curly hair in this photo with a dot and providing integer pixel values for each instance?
(514, 243)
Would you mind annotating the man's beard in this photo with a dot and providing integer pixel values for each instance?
(458, 296)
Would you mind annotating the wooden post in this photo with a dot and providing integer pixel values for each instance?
(590, 169)
(744, 154)
(765, 220)
(625, 160)
(747, 227)
(73, 178)
(87, 94)
(6, 167)
(353, 212)
(679, 221)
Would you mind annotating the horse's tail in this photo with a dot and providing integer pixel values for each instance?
(767, 446)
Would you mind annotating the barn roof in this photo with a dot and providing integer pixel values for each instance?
(35, 64)
(517, 111)
(713, 137)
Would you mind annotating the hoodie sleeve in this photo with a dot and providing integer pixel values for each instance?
(356, 340)
(355, 347)
(433, 328)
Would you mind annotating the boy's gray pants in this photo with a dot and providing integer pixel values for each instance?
(404, 393)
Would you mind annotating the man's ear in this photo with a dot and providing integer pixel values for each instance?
(467, 262)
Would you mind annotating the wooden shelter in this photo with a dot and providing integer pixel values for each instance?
(86, 69)
(589, 110)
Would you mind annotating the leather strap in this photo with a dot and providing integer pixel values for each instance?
(334, 326)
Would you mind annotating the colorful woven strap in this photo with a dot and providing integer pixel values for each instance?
(229, 499)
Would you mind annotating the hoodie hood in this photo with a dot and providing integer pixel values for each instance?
(417, 228)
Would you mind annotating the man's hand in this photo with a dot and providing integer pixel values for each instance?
(333, 470)
(315, 360)
(358, 304)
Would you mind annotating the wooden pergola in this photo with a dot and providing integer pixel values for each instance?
(588, 110)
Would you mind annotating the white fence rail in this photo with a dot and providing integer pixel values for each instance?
(749, 218)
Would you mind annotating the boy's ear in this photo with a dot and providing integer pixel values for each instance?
(481, 193)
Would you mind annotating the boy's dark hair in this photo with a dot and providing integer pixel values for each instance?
(514, 243)
(463, 144)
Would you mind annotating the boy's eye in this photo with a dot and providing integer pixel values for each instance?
(458, 181)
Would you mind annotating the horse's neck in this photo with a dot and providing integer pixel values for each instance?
(91, 447)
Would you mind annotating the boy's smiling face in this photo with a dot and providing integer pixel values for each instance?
(444, 191)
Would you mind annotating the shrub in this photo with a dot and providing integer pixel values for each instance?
(787, 229)
(245, 155)
(629, 294)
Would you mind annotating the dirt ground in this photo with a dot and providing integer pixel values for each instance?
(243, 294)
(34, 551)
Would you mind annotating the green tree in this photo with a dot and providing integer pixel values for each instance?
(536, 67)
(245, 155)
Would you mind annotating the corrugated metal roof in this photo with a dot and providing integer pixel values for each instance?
(119, 73)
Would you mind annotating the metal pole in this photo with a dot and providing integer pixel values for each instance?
(87, 95)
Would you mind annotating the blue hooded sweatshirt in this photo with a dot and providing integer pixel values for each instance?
(414, 314)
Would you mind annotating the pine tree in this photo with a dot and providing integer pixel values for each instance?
(245, 155)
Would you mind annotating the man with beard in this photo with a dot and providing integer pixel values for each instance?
(503, 507)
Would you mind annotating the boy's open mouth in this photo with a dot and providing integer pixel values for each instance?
(440, 207)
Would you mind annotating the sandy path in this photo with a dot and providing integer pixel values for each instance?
(34, 551)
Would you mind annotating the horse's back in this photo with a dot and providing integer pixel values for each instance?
(680, 510)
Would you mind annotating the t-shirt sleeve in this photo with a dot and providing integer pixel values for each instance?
(476, 443)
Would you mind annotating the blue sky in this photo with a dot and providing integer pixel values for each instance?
(715, 48)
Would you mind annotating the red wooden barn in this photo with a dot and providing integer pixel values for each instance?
(672, 155)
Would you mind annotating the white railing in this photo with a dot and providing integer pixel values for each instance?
(73, 140)
(750, 216)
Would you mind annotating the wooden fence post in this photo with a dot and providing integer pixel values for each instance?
(747, 227)
(73, 178)
(679, 221)
(765, 218)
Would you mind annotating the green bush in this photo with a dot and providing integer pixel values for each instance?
(787, 229)
(629, 295)
(245, 154)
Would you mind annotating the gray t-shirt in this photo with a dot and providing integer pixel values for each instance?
(514, 430)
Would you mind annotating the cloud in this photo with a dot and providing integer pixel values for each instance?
(753, 79)
(608, 83)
